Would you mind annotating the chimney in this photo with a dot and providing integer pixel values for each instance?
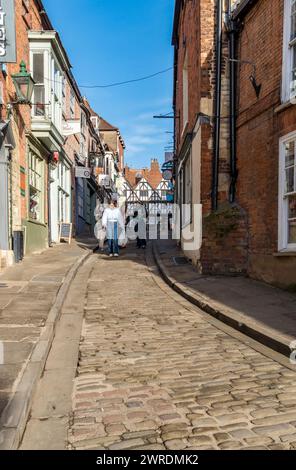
(154, 165)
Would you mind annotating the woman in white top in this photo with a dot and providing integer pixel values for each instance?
(112, 221)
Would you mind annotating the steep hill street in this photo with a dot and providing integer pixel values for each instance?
(154, 372)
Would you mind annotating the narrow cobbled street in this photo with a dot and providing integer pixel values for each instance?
(148, 231)
(155, 373)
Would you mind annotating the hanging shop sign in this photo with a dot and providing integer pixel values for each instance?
(105, 181)
(71, 127)
(82, 172)
(7, 32)
(167, 175)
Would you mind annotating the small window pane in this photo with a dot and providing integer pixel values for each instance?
(39, 100)
(290, 180)
(292, 207)
(292, 231)
(38, 68)
(292, 219)
(290, 154)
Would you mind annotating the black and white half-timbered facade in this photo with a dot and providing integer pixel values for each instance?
(153, 200)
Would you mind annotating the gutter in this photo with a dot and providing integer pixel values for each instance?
(243, 8)
(178, 5)
(47, 23)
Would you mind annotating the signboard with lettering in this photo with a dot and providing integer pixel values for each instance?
(82, 172)
(71, 127)
(66, 232)
(7, 32)
(105, 181)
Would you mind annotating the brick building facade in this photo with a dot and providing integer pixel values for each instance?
(197, 134)
(266, 135)
(42, 144)
(27, 17)
(230, 136)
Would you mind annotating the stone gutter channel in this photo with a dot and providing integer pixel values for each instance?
(270, 338)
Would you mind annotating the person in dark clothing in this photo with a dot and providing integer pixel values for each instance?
(140, 229)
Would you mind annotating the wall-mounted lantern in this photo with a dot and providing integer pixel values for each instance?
(24, 85)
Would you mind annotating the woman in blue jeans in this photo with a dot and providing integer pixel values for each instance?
(112, 222)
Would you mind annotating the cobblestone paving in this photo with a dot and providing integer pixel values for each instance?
(154, 374)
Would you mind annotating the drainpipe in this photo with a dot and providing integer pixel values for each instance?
(232, 30)
(49, 202)
(217, 112)
(9, 159)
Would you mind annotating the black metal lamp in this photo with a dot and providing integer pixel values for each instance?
(24, 85)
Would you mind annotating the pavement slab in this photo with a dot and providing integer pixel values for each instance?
(28, 292)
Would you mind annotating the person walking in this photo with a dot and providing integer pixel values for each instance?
(112, 222)
(140, 228)
(100, 233)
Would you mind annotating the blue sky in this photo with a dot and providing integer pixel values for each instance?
(115, 40)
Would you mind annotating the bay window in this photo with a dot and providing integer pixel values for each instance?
(287, 193)
(48, 89)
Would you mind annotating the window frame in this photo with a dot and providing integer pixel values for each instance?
(52, 83)
(289, 49)
(39, 85)
(33, 173)
(283, 242)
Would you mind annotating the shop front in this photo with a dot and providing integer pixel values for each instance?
(60, 196)
(36, 224)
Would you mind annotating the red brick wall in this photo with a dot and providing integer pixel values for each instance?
(189, 41)
(224, 245)
(26, 17)
(259, 129)
(196, 39)
(251, 244)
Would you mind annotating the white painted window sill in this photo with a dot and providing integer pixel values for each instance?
(283, 106)
(284, 253)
